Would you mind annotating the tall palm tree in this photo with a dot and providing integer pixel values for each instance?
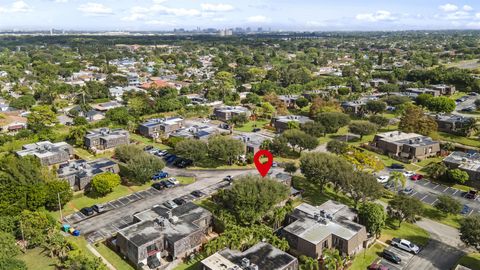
(332, 260)
(397, 178)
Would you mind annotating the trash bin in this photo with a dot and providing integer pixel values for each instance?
(65, 227)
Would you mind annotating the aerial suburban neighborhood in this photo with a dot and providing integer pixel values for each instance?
(261, 147)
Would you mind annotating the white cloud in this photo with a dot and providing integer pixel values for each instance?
(136, 13)
(448, 7)
(381, 15)
(467, 8)
(180, 12)
(159, 23)
(315, 23)
(16, 7)
(458, 15)
(61, 1)
(95, 9)
(216, 7)
(258, 19)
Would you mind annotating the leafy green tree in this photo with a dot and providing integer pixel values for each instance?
(140, 168)
(290, 168)
(332, 121)
(404, 208)
(279, 146)
(388, 88)
(301, 102)
(470, 231)
(379, 120)
(24, 102)
(251, 197)
(413, 119)
(398, 179)
(80, 121)
(458, 176)
(361, 186)
(314, 129)
(331, 259)
(225, 149)
(55, 188)
(423, 99)
(35, 226)
(40, 118)
(337, 147)
(308, 263)
(77, 134)
(436, 170)
(441, 104)
(8, 246)
(104, 183)
(119, 115)
(362, 128)
(299, 139)
(448, 205)
(373, 216)
(322, 168)
(195, 150)
(124, 153)
(375, 106)
(12, 264)
(76, 259)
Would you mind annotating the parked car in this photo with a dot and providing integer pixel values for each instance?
(148, 148)
(256, 129)
(407, 190)
(158, 186)
(389, 185)
(377, 266)
(168, 184)
(405, 245)
(174, 181)
(160, 175)
(182, 163)
(383, 179)
(390, 256)
(170, 204)
(99, 208)
(87, 211)
(197, 193)
(465, 210)
(397, 166)
(416, 177)
(228, 178)
(468, 109)
(408, 173)
(179, 201)
(472, 194)
(171, 159)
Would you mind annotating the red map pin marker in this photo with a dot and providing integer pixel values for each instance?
(263, 168)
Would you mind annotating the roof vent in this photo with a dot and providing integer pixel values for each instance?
(245, 262)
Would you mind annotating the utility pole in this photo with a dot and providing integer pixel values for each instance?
(60, 206)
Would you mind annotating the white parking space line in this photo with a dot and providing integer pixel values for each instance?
(426, 183)
(456, 190)
(434, 201)
(435, 186)
(423, 198)
(445, 189)
(413, 194)
(469, 213)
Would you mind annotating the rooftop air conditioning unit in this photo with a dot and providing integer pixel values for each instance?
(245, 262)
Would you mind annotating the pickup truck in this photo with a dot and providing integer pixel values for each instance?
(405, 245)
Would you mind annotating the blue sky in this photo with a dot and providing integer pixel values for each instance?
(321, 15)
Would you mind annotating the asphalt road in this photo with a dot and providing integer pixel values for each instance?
(442, 251)
(105, 225)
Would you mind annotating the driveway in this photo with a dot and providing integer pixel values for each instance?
(403, 255)
(442, 251)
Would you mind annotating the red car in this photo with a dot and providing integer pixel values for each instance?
(416, 177)
(376, 266)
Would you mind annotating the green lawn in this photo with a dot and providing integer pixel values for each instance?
(35, 259)
(84, 154)
(434, 214)
(473, 141)
(407, 231)
(367, 257)
(112, 257)
(250, 125)
(148, 141)
(471, 261)
(312, 194)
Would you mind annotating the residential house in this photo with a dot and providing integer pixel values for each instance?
(281, 122)
(160, 232)
(414, 92)
(252, 141)
(12, 123)
(259, 256)
(375, 83)
(468, 162)
(133, 79)
(409, 146)
(153, 127)
(118, 91)
(48, 153)
(225, 113)
(446, 90)
(106, 106)
(311, 229)
(105, 138)
(79, 173)
(288, 100)
(455, 124)
(310, 95)
(356, 107)
(195, 132)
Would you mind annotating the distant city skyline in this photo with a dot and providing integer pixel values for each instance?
(288, 15)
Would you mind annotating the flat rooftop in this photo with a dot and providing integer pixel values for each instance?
(466, 161)
(297, 118)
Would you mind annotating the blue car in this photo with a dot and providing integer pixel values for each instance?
(160, 175)
(465, 210)
(171, 158)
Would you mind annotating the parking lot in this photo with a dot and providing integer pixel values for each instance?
(403, 255)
